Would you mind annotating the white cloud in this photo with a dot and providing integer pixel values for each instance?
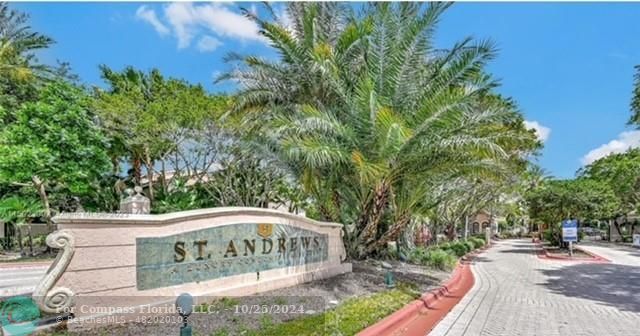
(542, 132)
(181, 17)
(227, 23)
(208, 43)
(148, 15)
(206, 22)
(624, 142)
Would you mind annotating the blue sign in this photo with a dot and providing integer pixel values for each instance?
(570, 230)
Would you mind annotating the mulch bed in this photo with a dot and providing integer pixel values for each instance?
(564, 252)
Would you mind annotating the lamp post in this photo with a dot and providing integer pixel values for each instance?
(388, 276)
(184, 305)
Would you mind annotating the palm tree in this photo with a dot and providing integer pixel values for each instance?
(18, 44)
(366, 112)
(635, 100)
(20, 211)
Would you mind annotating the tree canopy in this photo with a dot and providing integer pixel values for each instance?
(20, 70)
(370, 116)
(635, 98)
(53, 143)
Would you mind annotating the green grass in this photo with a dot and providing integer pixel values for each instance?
(224, 303)
(348, 318)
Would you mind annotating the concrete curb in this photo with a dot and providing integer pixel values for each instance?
(421, 315)
(543, 254)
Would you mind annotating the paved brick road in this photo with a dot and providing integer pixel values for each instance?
(517, 293)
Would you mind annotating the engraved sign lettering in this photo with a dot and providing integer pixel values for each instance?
(224, 251)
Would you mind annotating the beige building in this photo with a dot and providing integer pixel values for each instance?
(481, 220)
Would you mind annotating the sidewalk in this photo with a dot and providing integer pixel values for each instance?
(516, 293)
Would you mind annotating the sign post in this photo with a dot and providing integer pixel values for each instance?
(570, 233)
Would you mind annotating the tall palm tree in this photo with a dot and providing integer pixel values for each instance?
(366, 111)
(635, 100)
(18, 44)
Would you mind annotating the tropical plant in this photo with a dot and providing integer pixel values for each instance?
(369, 115)
(20, 211)
(635, 99)
(19, 67)
(150, 119)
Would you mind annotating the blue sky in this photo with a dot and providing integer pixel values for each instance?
(568, 65)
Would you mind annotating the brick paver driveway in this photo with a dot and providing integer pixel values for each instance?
(516, 293)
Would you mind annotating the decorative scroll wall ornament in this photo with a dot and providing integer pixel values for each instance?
(48, 298)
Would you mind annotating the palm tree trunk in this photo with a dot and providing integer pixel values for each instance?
(136, 165)
(149, 165)
(392, 234)
(39, 185)
(372, 214)
(30, 238)
(452, 234)
(19, 232)
(164, 176)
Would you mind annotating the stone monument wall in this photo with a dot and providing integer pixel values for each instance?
(104, 258)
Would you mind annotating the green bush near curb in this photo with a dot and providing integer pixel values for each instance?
(433, 257)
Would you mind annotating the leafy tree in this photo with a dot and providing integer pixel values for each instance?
(148, 117)
(621, 172)
(20, 70)
(582, 198)
(53, 145)
(369, 116)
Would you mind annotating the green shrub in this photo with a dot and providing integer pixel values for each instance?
(444, 246)
(549, 236)
(470, 245)
(419, 256)
(40, 240)
(441, 259)
(433, 257)
(477, 242)
(459, 248)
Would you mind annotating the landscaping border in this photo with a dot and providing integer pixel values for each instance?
(543, 254)
(422, 315)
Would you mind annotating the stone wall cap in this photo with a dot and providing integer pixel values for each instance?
(174, 217)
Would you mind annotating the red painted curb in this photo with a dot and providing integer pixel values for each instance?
(420, 316)
(543, 254)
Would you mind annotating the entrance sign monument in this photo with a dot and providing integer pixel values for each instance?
(138, 258)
